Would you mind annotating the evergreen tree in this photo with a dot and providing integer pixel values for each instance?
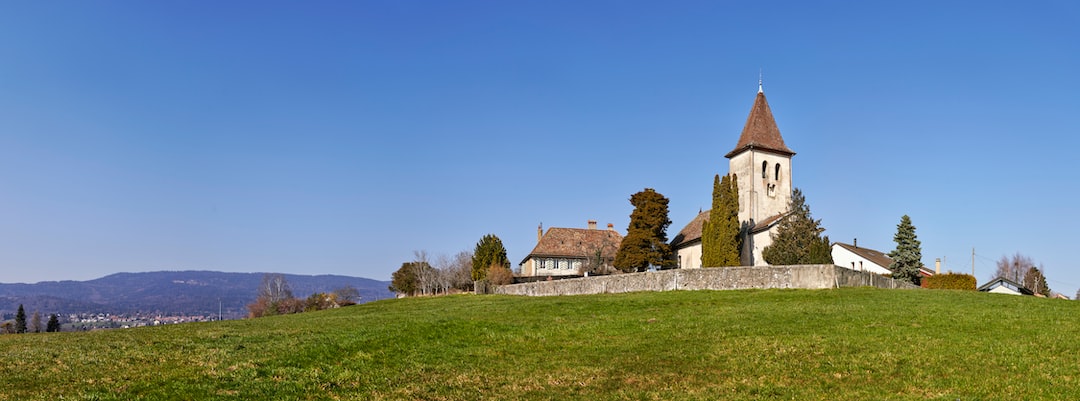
(1035, 281)
(20, 320)
(645, 243)
(720, 239)
(54, 324)
(798, 239)
(404, 280)
(489, 252)
(907, 257)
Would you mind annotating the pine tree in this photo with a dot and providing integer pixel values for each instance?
(1035, 281)
(645, 243)
(798, 239)
(720, 239)
(54, 324)
(907, 257)
(489, 252)
(20, 320)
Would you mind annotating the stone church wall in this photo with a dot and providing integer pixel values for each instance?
(723, 278)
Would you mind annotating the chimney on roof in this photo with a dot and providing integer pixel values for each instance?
(592, 224)
(855, 243)
(539, 232)
(937, 266)
(610, 227)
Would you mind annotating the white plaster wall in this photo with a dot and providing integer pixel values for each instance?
(534, 269)
(690, 257)
(845, 258)
(760, 241)
(1003, 290)
(527, 268)
(755, 201)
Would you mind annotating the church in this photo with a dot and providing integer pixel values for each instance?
(762, 163)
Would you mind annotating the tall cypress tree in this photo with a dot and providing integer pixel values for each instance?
(907, 257)
(798, 239)
(645, 243)
(20, 320)
(720, 241)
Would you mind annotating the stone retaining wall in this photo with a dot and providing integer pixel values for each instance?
(720, 278)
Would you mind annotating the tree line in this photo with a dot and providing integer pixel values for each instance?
(1022, 270)
(275, 297)
(487, 262)
(20, 325)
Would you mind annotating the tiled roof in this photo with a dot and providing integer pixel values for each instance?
(767, 223)
(874, 256)
(691, 234)
(576, 243)
(692, 231)
(760, 131)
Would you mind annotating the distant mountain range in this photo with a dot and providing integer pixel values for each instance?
(169, 293)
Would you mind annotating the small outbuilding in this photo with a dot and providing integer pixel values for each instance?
(1003, 285)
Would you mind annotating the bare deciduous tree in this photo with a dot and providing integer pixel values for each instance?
(35, 322)
(598, 259)
(500, 275)
(274, 288)
(442, 267)
(347, 295)
(460, 271)
(427, 278)
(1014, 268)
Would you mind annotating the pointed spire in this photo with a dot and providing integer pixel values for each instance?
(760, 131)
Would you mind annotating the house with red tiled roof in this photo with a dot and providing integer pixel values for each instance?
(761, 161)
(572, 251)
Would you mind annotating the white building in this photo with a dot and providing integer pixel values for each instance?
(860, 259)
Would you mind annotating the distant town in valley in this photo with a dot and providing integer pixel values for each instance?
(126, 300)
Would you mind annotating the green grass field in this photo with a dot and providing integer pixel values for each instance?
(846, 344)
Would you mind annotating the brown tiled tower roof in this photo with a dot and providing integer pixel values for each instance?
(760, 131)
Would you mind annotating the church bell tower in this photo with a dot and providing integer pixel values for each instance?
(762, 163)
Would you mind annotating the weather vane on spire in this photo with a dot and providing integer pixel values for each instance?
(760, 75)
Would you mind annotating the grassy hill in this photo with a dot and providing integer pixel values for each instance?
(846, 344)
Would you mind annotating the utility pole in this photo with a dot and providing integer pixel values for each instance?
(972, 261)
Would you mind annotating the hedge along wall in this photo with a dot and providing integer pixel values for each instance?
(950, 281)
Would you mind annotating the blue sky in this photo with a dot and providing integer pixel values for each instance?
(339, 137)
